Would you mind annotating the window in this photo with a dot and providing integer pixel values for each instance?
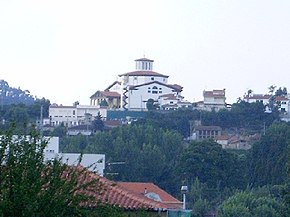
(154, 90)
(152, 78)
(74, 112)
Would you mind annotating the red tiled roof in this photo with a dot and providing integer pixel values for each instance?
(222, 137)
(214, 93)
(281, 98)
(144, 73)
(142, 188)
(106, 94)
(258, 96)
(112, 123)
(120, 195)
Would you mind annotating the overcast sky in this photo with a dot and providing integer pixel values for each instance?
(66, 50)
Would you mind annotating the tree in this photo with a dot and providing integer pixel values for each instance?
(269, 156)
(29, 186)
(251, 205)
(272, 89)
(150, 104)
(98, 124)
(207, 161)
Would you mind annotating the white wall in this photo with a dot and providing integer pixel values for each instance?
(137, 99)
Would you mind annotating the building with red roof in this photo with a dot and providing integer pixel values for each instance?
(129, 195)
(135, 88)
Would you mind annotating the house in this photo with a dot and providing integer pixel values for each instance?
(206, 132)
(213, 100)
(93, 162)
(264, 98)
(111, 99)
(281, 101)
(133, 89)
(84, 129)
(172, 101)
(74, 115)
(131, 196)
(237, 141)
(152, 192)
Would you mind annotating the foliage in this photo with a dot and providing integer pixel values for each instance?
(10, 95)
(29, 186)
(250, 204)
(149, 154)
(98, 124)
(269, 156)
(206, 160)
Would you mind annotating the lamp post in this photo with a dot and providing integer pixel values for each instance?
(184, 190)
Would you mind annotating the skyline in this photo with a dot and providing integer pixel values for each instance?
(66, 50)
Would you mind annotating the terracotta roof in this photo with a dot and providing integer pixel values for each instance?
(222, 137)
(143, 188)
(176, 87)
(112, 123)
(258, 96)
(109, 192)
(144, 73)
(214, 93)
(106, 94)
(281, 98)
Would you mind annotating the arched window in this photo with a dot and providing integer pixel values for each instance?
(155, 90)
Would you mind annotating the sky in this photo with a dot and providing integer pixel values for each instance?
(66, 50)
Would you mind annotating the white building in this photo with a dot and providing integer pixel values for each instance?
(74, 115)
(94, 162)
(213, 100)
(281, 101)
(137, 87)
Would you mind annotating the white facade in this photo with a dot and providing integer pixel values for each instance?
(143, 84)
(138, 97)
(94, 162)
(213, 100)
(74, 115)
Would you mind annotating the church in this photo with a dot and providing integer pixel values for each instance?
(134, 89)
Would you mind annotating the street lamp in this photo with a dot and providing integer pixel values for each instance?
(184, 190)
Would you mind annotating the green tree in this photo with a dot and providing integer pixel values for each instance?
(150, 105)
(269, 156)
(98, 123)
(29, 186)
(212, 165)
(250, 204)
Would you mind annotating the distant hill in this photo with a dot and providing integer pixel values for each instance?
(11, 95)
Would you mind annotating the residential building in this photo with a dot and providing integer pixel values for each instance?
(172, 101)
(131, 196)
(110, 99)
(213, 100)
(206, 132)
(244, 142)
(74, 115)
(281, 101)
(94, 162)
